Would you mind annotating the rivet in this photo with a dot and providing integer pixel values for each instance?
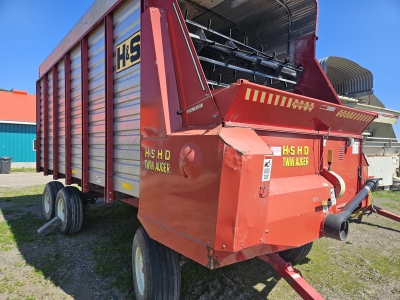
(242, 245)
(223, 246)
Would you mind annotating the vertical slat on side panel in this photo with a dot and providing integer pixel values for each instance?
(126, 22)
(96, 99)
(109, 194)
(55, 122)
(85, 115)
(67, 66)
(46, 126)
(38, 126)
(76, 112)
(42, 121)
(50, 118)
(61, 118)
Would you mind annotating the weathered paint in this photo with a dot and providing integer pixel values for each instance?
(16, 141)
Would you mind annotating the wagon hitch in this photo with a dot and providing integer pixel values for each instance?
(336, 226)
(291, 275)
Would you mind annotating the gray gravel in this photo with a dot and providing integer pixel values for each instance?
(24, 179)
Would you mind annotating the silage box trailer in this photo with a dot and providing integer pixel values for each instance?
(213, 118)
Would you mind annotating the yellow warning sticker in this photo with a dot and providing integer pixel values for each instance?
(277, 100)
(354, 116)
(127, 186)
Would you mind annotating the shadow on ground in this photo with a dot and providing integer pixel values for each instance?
(96, 262)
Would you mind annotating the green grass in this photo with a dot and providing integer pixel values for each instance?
(22, 228)
(391, 205)
(19, 230)
(113, 251)
(27, 170)
(393, 195)
(21, 196)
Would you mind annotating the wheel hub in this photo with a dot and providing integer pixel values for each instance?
(61, 210)
(47, 202)
(139, 270)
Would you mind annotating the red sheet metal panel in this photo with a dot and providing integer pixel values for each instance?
(314, 82)
(242, 205)
(170, 192)
(55, 122)
(196, 102)
(159, 92)
(85, 115)
(260, 105)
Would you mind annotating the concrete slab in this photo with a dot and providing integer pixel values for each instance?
(24, 179)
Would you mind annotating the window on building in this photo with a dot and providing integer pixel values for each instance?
(34, 145)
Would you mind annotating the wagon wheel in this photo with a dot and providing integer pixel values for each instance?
(296, 254)
(69, 209)
(156, 270)
(49, 198)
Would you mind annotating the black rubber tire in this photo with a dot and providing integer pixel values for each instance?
(296, 254)
(72, 218)
(51, 189)
(162, 273)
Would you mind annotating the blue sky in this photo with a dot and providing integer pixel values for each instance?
(365, 31)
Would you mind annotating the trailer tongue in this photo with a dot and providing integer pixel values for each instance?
(215, 119)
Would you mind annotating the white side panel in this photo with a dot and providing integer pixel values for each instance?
(126, 105)
(382, 167)
(61, 118)
(97, 139)
(50, 117)
(76, 112)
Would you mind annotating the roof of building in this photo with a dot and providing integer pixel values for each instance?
(346, 76)
(17, 106)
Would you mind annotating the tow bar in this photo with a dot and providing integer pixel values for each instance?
(292, 276)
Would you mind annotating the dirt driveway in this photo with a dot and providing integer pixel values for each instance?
(96, 262)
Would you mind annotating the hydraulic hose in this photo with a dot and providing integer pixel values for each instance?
(336, 226)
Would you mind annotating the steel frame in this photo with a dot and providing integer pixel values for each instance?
(67, 69)
(384, 213)
(109, 73)
(55, 122)
(38, 126)
(292, 276)
(85, 115)
(46, 125)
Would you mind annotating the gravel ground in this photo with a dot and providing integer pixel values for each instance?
(24, 179)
